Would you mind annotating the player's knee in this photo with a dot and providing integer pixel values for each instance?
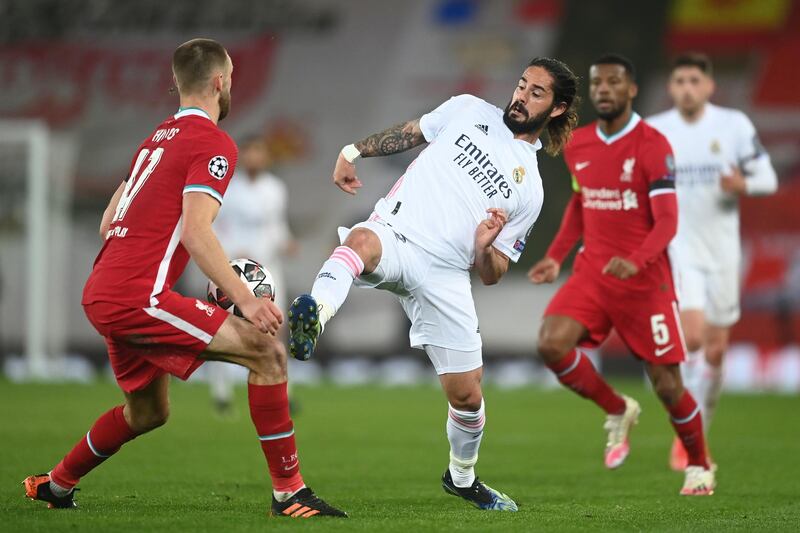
(366, 244)
(142, 422)
(694, 340)
(552, 347)
(270, 359)
(468, 400)
(667, 389)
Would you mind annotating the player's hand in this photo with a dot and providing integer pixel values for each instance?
(262, 313)
(490, 228)
(344, 175)
(544, 271)
(734, 182)
(620, 268)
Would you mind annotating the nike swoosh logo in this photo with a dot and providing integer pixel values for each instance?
(582, 165)
(290, 466)
(662, 351)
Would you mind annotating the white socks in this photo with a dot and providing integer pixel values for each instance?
(704, 382)
(464, 431)
(334, 281)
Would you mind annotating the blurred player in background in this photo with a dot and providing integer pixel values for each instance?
(159, 217)
(253, 224)
(468, 201)
(718, 158)
(625, 210)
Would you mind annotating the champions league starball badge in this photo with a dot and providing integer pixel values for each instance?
(218, 167)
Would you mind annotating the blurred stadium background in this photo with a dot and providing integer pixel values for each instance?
(83, 81)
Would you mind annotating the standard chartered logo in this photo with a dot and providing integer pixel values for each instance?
(609, 199)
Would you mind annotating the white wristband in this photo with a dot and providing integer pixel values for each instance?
(351, 153)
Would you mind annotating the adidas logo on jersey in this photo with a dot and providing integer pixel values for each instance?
(483, 127)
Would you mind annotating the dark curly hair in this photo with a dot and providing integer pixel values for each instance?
(565, 90)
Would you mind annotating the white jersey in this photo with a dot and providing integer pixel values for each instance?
(708, 222)
(472, 163)
(252, 222)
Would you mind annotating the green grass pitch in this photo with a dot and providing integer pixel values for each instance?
(379, 454)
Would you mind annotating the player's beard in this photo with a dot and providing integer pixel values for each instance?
(224, 104)
(531, 125)
(690, 106)
(610, 114)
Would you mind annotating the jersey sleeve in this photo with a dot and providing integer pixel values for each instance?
(659, 166)
(511, 240)
(753, 159)
(660, 172)
(434, 122)
(211, 166)
(748, 145)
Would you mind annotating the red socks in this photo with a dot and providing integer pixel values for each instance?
(688, 424)
(269, 410)
(576, 372)
(107, 435)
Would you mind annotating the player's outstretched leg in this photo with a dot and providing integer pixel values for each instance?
(265, 357)
(465, 422)
(144, 410)
(688, 423)
(359, 253)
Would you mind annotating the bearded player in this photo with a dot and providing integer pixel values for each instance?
(159, 217)
(624, 209)
(718, 158)
(467, 202)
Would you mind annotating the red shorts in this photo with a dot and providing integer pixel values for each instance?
(647, 322)
(145, 343)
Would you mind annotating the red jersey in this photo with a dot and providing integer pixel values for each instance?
(623, 184)
(143, 256)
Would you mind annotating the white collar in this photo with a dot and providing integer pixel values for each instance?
(632, 123)
(191, 111)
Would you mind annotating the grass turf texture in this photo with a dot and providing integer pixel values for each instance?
(379, 454)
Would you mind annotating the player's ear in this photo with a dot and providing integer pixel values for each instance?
(558, 110)
(218, 82)
(633, 90)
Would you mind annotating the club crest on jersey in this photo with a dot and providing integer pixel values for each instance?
(218, 166)
(518, 174)
(627, 169)
(208, 309)
(715, 147)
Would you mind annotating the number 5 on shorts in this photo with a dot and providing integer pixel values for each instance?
(660, 329)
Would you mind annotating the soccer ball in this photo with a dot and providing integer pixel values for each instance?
(256, 277)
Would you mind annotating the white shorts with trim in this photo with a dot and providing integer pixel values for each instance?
(436, 296)
(448, 361)
(716, 293)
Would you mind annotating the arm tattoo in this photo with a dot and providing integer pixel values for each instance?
(396, 139)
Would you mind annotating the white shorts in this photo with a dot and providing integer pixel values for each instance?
(714, 293)
(436, 296)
